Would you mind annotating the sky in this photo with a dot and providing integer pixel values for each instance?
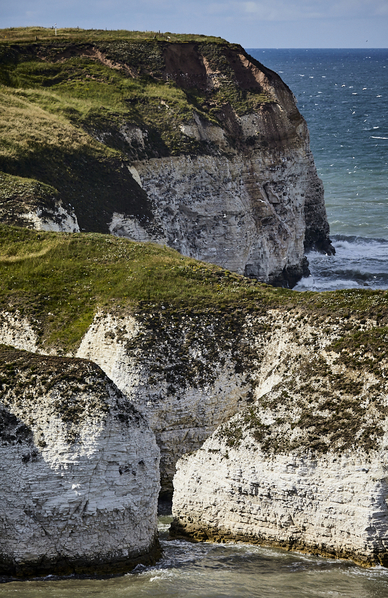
(251, 23)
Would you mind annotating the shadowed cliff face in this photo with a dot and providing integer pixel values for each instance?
(195, 145)
(75, 457)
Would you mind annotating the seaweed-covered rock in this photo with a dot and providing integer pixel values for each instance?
(79, 470)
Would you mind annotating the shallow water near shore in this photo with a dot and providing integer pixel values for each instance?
(206, 570)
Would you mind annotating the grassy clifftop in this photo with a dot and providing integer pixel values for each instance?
(47, 34)
(77, 107)
(61, 280)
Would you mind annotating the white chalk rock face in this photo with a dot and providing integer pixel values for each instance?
(56, 219)
(79, 471)
(17, 331)
(333, 505)
(305, 466)
(244, 213)
(184, 382)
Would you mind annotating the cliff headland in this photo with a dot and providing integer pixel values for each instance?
(268, 406)
(281, 379)
(182, 140)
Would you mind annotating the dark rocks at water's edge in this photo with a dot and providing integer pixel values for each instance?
(79, 471)
(219, 167)
(287, 278)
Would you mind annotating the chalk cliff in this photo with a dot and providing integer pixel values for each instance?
(79, 471)
(190, 371)
(291, 387)
(185, 382)
(196, 145)
(305, 466)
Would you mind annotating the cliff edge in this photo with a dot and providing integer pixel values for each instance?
(182, 140)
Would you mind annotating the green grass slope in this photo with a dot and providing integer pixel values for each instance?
(66, 99)
(61, 280)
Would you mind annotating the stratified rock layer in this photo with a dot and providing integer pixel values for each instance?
(79, 471)
(332, 505)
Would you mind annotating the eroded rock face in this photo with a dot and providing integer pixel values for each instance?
(28, 203)
(79, 471)
(181, 373)
(190, 371)
(244, 213)
(332, 505)
(305, 466)
(251, 201)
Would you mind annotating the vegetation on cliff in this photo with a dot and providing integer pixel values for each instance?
(61, 280)
(70, 104)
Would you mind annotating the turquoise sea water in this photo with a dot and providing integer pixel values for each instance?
(343, 94)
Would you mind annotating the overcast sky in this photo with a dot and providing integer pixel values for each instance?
(253, 24)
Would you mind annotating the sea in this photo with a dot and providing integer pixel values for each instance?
(343, 95)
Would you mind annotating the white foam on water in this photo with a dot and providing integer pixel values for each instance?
(358, 263)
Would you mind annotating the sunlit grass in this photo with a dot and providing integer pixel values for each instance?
(24, 34)
(63, 279)
(26, 126)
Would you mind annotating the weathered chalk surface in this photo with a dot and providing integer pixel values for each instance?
(79, 470)
(188, 372)
(304, 467)
(180, 371)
